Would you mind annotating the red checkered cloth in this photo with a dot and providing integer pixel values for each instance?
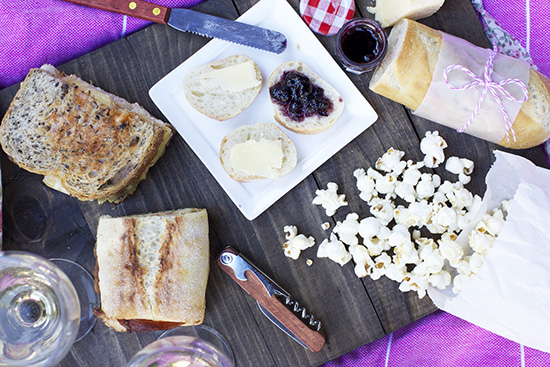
(326, 16)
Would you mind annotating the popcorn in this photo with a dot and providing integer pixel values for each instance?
(412, 175)
(386, 184)
(325, 226)
(449, 248)
(405, 191)
(296, 242)
(362, 259)
(440, 280)
(348, 229)
(443, 219)
(432, 146)
(369, 227)
(395, 272)
(334, 250)
(376, 245)
(392, 243)
(381, 264)
(425, 188)
(365, 184)
(382, 209)
(309, 262)
(414, 282)
(329, 199)
(480, 242)
(391, 161)
(459, 166)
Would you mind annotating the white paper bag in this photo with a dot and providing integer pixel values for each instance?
(510, 295)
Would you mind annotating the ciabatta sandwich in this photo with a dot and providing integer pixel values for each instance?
(152, 269)
(88, 143)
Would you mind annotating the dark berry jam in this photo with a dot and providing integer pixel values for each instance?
(360, 44)
(299, 97)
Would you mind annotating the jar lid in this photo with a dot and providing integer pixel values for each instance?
(326, 16)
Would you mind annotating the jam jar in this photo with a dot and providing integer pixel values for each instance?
(361, 45)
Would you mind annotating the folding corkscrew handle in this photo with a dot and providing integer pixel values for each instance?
(268, 294)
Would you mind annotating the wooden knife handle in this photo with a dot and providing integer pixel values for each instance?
(253, 286)
(134, 8)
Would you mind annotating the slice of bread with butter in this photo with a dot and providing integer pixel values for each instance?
(254, 152)
(224, 88)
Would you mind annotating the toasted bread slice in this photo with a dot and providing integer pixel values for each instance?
(152, 269)
(88, 143)
(313, 123)
(269, 152)
(225, 88)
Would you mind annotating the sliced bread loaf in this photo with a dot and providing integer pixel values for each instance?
(88, 143)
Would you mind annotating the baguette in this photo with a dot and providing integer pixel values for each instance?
(225, 88)
(88, 143)
(405, 75)
(258, 159)
(307, 122)
(152, 269)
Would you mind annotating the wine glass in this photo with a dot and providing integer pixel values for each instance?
(83, 283)
(39, 311)
(191, 346)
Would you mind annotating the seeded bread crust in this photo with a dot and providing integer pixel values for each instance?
(152, 269)
(314, 124)
(92, 143)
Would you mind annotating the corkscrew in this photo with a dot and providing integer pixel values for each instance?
(274, 302)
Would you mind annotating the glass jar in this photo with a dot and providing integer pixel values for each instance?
(361, 45)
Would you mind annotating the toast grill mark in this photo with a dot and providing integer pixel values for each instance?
(163, 296)
(129, 245)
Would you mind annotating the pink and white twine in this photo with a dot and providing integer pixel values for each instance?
(488, 85)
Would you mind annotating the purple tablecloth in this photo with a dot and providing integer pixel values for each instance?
(34, 32)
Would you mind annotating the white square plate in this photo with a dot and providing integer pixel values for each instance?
(204, 135)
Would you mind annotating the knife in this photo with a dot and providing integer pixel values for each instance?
(274, 301)
(192, 21)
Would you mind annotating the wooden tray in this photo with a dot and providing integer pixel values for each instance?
(353, 311)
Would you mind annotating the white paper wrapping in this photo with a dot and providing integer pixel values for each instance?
(453, 108)
(510, 295)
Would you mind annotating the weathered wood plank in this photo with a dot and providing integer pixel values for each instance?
(353, 311)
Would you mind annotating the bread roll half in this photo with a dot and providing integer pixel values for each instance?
(314, 123)
(225, 88)
(263, 151)
(406, 72)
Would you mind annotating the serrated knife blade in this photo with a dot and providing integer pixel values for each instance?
(187, 20)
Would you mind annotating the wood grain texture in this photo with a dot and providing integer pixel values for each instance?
(353, 311)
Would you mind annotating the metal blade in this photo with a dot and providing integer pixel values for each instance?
(279, 324)
(228, 30)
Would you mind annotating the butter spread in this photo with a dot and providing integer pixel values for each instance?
(389, 12)
(262, 158)
(233, 78)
